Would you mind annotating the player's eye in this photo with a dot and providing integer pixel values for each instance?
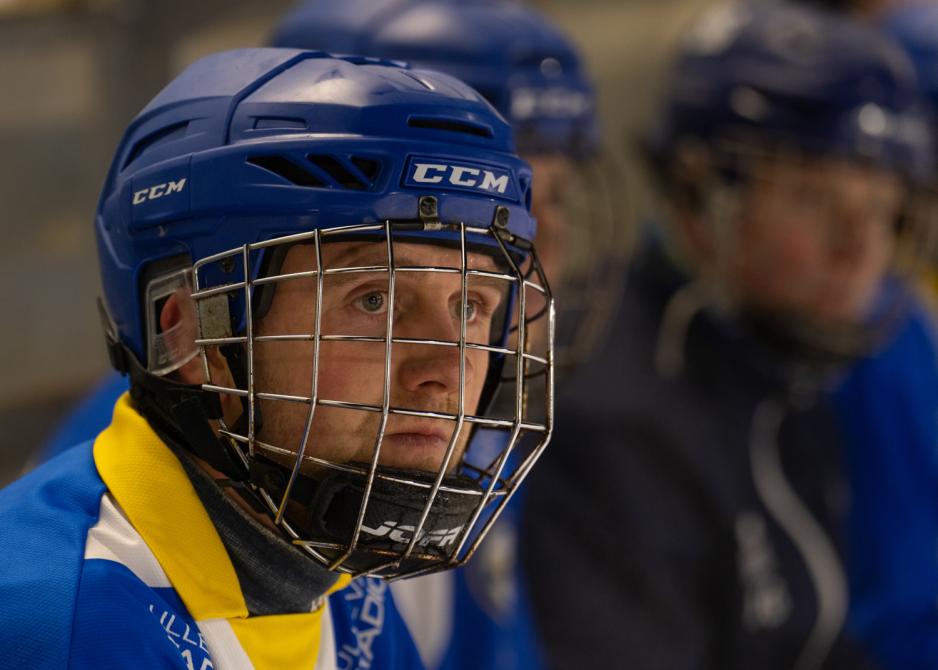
(372, 302)
(472, 311)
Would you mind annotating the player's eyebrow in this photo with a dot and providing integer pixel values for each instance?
(363, 254)
(365, 258)
(369, 255)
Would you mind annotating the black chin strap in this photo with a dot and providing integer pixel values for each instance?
(326, 509)
(178, 413)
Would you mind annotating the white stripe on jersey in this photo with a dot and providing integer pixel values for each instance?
(112, 538)
(326, 660)
(427, 605)
(223, 645)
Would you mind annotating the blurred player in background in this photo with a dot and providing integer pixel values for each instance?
(888, 406)
(314, 327)
(889, 411)
(702, 494)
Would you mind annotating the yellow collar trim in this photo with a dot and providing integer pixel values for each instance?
(341, 583)
(149, 483)
(281, 641)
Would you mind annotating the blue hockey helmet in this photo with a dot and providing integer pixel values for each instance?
(915, 28)
(511, 54)
(253, 153)
(757, 86)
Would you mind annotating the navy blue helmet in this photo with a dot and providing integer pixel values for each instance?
(511, 54)
(810, 101)
(915, 27)
(229, 193)
(782, 74)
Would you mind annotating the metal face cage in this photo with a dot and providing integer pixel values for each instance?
(599, 229)
(360, 367)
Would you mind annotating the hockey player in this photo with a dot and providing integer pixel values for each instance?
(478, 616)
(888, 405)
(532, 74)
(317, 274)
(702, 492)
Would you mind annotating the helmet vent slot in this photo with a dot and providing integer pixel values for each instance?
(343, 175)
(369, 167)
(286, 169)
(279, 123)
(355, 173)
(451, 126)
(161, 136)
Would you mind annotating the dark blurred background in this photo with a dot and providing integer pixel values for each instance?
(73, 73)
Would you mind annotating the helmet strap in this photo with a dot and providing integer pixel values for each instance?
(179, 413)
(328, 507)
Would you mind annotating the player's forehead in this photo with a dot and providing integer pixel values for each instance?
(552, 161)
(367, 253)
(825, 169)
(550, 166)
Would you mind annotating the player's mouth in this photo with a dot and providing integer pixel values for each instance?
(420, 447)
(421, 438)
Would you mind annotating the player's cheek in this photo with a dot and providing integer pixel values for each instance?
(476, 370)
(351, 371)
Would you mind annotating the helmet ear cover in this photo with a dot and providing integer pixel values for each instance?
(168, 351)
(180, 413)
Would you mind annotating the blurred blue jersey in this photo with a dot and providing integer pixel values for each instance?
(88, 418)
(889, 407)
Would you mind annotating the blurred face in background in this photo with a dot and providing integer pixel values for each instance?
(553, 177)
(816, 237)
(550, 190)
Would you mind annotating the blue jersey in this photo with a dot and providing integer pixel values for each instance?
(889, 407)
(477, 616)
(110, 561)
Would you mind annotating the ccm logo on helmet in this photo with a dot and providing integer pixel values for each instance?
(459, 175)
(426, 173)
(159, 191)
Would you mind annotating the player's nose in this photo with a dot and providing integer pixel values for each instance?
(429, 370)
(851, 237)
(431, 364)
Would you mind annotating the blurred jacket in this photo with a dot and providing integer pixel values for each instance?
(692, 520)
